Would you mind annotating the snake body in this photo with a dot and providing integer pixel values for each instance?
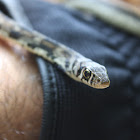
(69, 61)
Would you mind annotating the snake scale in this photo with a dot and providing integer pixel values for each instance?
(69, 61)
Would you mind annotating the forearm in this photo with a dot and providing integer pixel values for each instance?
(20, 94)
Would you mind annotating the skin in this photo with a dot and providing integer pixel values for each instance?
(134, 2)
(20, 94)
(72, 63)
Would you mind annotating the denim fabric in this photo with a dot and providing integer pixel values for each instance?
(82, 112)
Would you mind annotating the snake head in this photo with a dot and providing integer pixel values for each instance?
(93, 75)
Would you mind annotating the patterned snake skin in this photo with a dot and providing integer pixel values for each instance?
(70, 62)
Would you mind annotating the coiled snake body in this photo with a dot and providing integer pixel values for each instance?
(69, 61)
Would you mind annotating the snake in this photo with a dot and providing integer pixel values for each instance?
(72, 63)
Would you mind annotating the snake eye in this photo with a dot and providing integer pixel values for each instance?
(86, 74)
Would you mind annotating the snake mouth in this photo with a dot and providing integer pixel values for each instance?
(105, 83)
(102, 85)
